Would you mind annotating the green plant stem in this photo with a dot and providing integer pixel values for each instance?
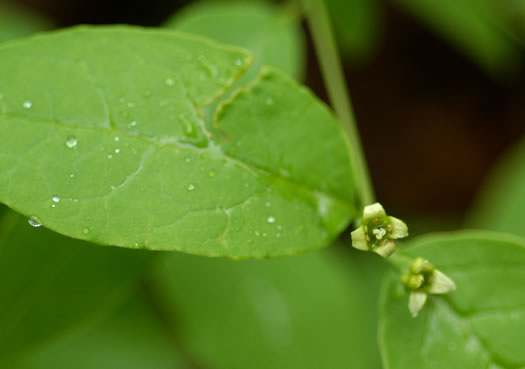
(400, 262)
(328, 56)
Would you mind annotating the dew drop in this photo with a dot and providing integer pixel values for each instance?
(265, 234)
(28, 104)
(131, 105)
(211, 173)
(132, 124)
(117, 139)
(71, 142)
(257, 233)
(34, 222)
(187, 160)
(56, 199)
(85, 231)
(169, 82)
(268, 204)
(277, 235)
(122, 100)
(191, 187)
(238, 62)
(271, 219)
(117, 150)
(110, 156)
(72, 175)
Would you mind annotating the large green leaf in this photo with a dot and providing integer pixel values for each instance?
(16, 23)
(132, 338)
(309, 311)
(104, 141)
(502, 200)
(475, 27)
(50, 283)
(480, 325)
(272, 35)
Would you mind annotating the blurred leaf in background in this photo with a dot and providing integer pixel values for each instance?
(315, 310)
(132, 337)
(501, 202)
(50, 283)
(273, 34)
(17, 22)
(476, 27)
(357, 25)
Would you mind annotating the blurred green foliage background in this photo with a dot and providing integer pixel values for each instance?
(439, 93)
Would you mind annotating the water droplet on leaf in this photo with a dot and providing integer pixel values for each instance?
(28, 104)
(271, 219)
(71, 142)
(34, 222)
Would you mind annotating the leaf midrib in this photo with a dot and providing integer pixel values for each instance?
(260, 171)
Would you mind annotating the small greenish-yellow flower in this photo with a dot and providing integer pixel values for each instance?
(423, 279)
(378, 231)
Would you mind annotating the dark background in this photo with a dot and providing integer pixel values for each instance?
(433, 124)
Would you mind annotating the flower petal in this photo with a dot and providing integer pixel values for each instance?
(386, 249)
(416, 301)
(399, 228)
(441, 283)
(359, 239)
(374, 211)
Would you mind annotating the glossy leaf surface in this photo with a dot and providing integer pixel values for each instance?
(480, 325)
(107, 144)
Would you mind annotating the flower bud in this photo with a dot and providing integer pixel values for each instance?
(423, 279)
